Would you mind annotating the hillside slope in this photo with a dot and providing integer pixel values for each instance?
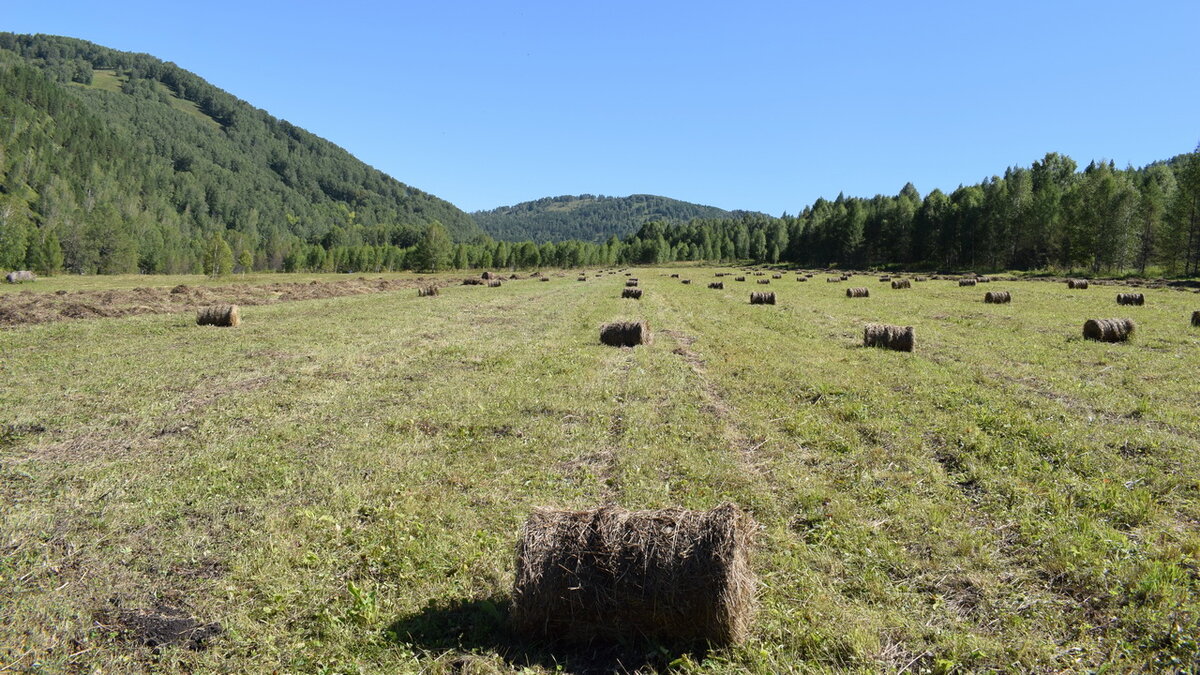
(121, 162)
(587, 217)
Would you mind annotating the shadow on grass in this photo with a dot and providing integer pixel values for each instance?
(480, 626)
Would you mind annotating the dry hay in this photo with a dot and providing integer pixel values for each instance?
(739, 278)
(219, 315)
(493, 283)
(719, 285)
(472, 282)
(896, 338)
(719, 275)
(1108, 330)
(844, 277)
(635, 293)
(685, 281)
(801, 278)
(834, 280)
(983, 280)
(1131, 299)
(426, 291)
(20, 276)
(488, 276)
(1078, 284)
(776, 276)
(631, 283)
(764, 281)
(759, 274)
(885, 278)
(629, 274)
(626, 334)
(858, 293)
(966, 282)
(919, 279)
(671, 575)
(901, 283)
(674, 276)
(997, 297)
(762, 297)
(1196, 318)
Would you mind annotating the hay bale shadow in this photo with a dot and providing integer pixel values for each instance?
(481, 626)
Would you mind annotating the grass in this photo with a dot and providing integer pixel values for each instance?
(339, 483)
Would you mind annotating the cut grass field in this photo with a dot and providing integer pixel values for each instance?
(337, 484)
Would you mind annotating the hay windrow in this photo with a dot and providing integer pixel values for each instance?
(997, 297)
(626, 334)
(1108, 330)
(635, 293)
(762, 297)
(858, 293)
(671, 575)
(1131, 299)
(219, 315)
(896, 338)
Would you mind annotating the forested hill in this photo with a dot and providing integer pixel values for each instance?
(118, 162)
(587, 217)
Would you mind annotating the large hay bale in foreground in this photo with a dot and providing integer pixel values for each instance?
(966, 282)
(896, 338)
(20, 276)
(1131, 299)
(997, 297)
(672, 575)
(719, 285)
(1078, 284)
(1108, 330)
(762, 297)
(219, 315)
(426, 291)
(626, 334)
(858, 293)
(635, 293)
(901, 283)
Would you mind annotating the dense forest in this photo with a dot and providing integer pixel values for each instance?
(120, 162)
(588, 217)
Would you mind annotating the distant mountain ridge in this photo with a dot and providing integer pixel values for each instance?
(588, 217)
(128, 163)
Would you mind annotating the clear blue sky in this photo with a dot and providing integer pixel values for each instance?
(754, 105)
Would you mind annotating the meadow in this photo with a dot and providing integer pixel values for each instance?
(336, 485)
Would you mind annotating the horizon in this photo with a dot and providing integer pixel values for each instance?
(494, 106)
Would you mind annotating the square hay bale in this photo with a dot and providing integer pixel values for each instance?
(219, 315)
(671, 575)
(762, 297)
(896, 338)
(626, 334)
(1108, 330)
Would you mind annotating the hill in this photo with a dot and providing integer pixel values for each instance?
(118, 162)
(587, 217)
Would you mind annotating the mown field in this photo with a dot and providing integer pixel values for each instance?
(337, 485)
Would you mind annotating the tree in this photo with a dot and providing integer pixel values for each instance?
(246, 260)
(218, 257)
(434, 250)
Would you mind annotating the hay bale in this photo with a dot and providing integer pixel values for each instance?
(739, 278)
(1077, 284)
(493, 283)
(674, 276)
(719, 275)
(544, 279)
(885, 278)
(983, 280)
(630, 283)
(1108, 330)
(488, 276)
(635, 293)
(718, 285)
(1131, 299)
(833, 280)
(581, 279)
(671, 575)
(858, 293)
(844, 277)
(764, 281)
(426, 291)
(20, 276)
(626, 334)
(685, 281)
(966, 282)
(472, 282)
(997, 297)
(219, 315)
(1196, 318)
(801, 278)
(759, 274)
(901, 283)
(762, 298)
(919, 279)
(896, 338)
(776, 276)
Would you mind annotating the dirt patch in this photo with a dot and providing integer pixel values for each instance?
(20, 309)
(161, 626)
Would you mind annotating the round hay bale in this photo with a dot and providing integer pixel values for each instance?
(626, 333)
(739, 278)
(776, 276)
(858, 293)
(672, 575)
(635, 293)
(426, 291)
(581, 279)
(1077, 284)
(919, 279)
(997, 297)
(685, 281)
(966, 282)
(1108, 330)
(983, 280)
(844, 277)
(674, 276)
(1131, 299)
(1196, 318)
(762, 297)
(487, 276)
(896, 338)
(493, 283)
(885, 278)
(901, 283)
(219, 315)
(20, 276)
(801, 278)
(630, 283)
(719, 285)
(764, 281)
(543, 278)
(759, 274)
